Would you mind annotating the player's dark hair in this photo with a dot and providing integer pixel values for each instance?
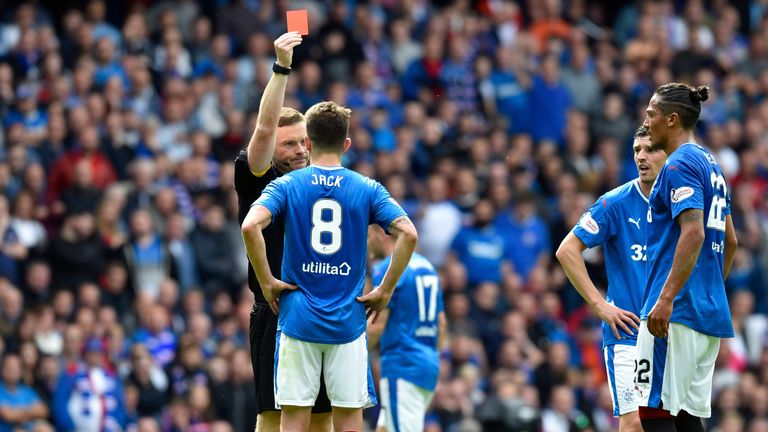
(327, 126)
(683, 99)
(642, 132)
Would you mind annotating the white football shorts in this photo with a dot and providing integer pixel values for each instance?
(620, 367)
(403, 405)
(298, 365)
(676, 373)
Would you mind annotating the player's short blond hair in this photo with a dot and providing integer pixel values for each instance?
(289, 117)
(328, 125)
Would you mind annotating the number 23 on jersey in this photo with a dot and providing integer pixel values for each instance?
(716, 218)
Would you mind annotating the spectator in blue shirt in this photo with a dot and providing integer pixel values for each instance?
(20, 406)
(33, 120)
(550, 100)
(526, 236)
(505, 91)
(89, 396)
(107, 63)
(480, 246)
(155, 332)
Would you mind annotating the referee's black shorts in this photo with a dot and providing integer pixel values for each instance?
(263, 327)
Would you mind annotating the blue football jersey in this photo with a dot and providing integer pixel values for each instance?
(326, 212)
(409, 342)
(690, 179)
(617, 221)
(482, 252)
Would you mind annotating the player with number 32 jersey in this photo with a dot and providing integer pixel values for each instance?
(618, 222)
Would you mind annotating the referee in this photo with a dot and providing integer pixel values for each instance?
(276, 147)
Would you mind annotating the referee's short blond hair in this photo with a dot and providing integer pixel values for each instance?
(289, 117)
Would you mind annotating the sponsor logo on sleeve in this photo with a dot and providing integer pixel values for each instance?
(589, 224)
(681, 194)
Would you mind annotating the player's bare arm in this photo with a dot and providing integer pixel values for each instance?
(261, 147)
(569, 255)
(376, 329)
(691, 223)
(405, 235)
(731, 243)
(256, 220)
(442, 331)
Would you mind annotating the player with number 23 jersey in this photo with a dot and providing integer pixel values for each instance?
(675, 372)
(690, 179)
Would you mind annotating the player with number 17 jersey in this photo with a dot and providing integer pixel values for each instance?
(409, 342)
(694, 181)
(325, 248)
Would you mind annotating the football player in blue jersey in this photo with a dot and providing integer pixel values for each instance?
(410, 332)
(326, 210)
(691, 244)
(276, 147)
(617, 221)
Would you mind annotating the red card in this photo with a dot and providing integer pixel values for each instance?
(298, 21)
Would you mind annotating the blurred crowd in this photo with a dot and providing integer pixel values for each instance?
(495, 123)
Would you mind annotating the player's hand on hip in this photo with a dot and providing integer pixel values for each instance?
(284, 47)
(618, 318)
(272, 290)
(375, 301)
(658, 318)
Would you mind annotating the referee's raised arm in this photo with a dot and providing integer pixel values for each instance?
(261, 147)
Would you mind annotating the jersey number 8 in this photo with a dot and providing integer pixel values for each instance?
(331, 226)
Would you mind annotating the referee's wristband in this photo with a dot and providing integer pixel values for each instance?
(276, 68)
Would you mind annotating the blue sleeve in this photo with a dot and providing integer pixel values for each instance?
(727, 210)
(60, 401)
(686, 188)
(595, 226)
(384, 209)
(274, 196)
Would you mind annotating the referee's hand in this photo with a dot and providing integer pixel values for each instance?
(272, 290)
(284, 46)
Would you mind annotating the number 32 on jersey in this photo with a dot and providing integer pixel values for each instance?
(639, 252)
